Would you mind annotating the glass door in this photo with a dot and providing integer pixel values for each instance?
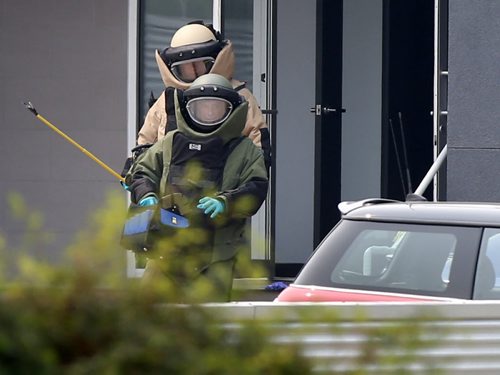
(248, 24)
(158, 21)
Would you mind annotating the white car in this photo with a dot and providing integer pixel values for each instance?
(384, 250)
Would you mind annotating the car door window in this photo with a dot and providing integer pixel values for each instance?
(407, 260)
(487, 282)
(420, 262)
(426, 259)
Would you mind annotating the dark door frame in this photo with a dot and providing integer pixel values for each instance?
(328, 112)
(407, 96)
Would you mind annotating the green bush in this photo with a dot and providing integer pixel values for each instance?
(79, 329)
(86, 317)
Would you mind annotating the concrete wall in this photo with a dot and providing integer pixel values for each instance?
(473, 100)
(70, 59)
(454, 338)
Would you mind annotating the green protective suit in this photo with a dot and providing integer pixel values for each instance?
(243, 186)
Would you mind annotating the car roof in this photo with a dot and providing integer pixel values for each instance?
(442, 213)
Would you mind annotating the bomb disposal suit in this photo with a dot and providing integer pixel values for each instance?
(206, 171)
(197, 49)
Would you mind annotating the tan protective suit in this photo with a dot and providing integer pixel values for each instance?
(153, 128)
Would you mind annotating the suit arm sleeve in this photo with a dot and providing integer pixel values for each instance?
(246, 199)
(256, 128)
(155, 119)
(255, 119)
(147, 174)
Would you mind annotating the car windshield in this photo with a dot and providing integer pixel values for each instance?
(394, 257)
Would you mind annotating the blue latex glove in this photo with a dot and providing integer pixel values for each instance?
(148, 201)
(211, 206)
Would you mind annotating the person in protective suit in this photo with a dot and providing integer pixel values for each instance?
(209, 174)
(198, 49)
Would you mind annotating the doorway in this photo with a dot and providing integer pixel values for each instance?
(373, 58)
(407, 145)
(328, 116)
(308, 128)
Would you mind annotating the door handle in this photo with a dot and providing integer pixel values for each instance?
(318, 110)
(330, 110)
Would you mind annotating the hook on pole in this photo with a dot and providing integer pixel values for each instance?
(31, 107)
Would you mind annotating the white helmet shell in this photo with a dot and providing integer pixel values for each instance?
(191, 34)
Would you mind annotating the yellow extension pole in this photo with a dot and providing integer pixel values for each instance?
(73, 142)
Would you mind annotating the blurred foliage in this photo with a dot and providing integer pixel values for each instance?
(86, 317)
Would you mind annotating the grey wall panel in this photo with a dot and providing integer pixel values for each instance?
(65, 209)
(474, 175)
(294, 172)
(362, 97)
(474, 73)
(34, 163)
(70, 59)
(473, 100)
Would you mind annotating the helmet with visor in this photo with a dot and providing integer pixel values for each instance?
(192, 52)
(210, 101)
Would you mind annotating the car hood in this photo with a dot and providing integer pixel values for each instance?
(312, 293)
